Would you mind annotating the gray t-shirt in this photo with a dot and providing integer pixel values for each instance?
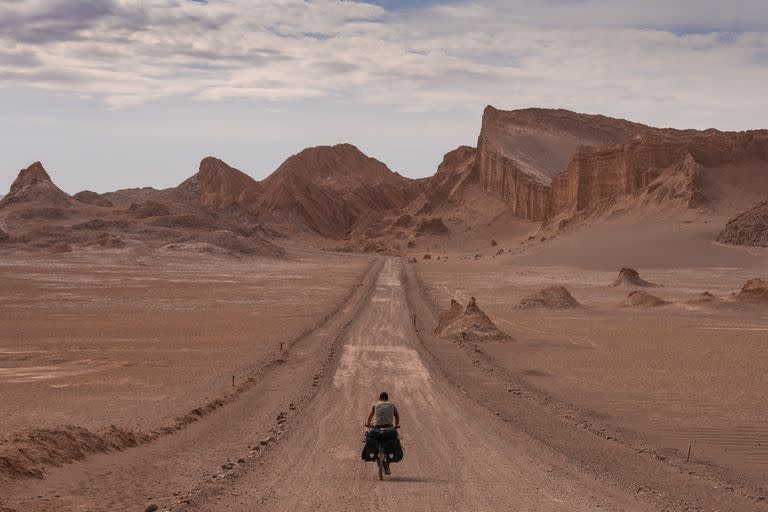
(384, 413)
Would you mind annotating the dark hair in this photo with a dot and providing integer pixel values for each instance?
(383, 396)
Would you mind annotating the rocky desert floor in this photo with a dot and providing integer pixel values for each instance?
(589, 408)
(655, 378)
(93, 340)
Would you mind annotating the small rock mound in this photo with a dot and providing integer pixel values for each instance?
(195, 248)
(92, 198)
(470, 323)
(642, 299)
(148, 209)
(755, 291)
(555, 297)
(749, 228)
(109, 241)
(706, 300)
(4, 237)
(432, 226)
(703, 298)
(631, 277)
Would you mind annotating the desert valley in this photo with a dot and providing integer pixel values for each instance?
(571, 315)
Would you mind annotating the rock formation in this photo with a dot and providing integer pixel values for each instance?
(447, 186)
(245, 246)
(705, 299)
(92, 198)
(749, 228)
(146, 209)
(642, 299)
(330, 189)
(554, 297)
(631, 277)
(754, 291)
(548, 166)
(469, 323)
(554, 163)
(432, 226)
(219, 187)
(109, 241)
(520, 151)
(34, 185)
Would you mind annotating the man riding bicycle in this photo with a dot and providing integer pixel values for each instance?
(383, 414)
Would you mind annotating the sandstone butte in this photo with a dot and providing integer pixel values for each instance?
(547, 163)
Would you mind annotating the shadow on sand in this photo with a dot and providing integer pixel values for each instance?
(414, 479)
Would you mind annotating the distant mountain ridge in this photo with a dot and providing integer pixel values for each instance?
(542, 166)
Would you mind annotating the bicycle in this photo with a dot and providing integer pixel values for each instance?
(382, 455)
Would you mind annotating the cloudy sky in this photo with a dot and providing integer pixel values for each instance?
(121, 93)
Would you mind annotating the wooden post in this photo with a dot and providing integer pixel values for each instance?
(233, 381)
(688, 457)
(281, 346)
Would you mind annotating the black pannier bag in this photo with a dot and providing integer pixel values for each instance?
(388, 440)
(392, 449)
(370, 449)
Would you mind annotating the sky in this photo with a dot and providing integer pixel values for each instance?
(113, 94)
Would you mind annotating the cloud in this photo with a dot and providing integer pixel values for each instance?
(599, 55)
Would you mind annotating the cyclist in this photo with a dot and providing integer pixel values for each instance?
(383, 414)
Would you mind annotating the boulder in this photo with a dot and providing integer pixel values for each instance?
(631, 277)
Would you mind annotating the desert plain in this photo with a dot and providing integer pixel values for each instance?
(217, 346)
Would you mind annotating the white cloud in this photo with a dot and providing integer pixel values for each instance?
(600, 55)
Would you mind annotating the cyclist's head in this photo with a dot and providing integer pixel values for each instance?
(383, 396)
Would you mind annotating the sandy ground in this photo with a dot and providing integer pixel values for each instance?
(666, 376)
(133, 340)
(292, 440)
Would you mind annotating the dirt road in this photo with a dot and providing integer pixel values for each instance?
(459, 456)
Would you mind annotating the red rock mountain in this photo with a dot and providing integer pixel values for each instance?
(220, 187)
(535, 164)
(331, 188)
